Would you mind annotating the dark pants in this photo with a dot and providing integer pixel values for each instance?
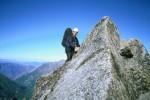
(69, 55)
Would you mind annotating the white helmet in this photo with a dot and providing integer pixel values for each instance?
(75, 29)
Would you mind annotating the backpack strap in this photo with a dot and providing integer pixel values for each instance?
(67, 42)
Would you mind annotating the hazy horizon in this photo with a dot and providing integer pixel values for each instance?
(28, 60)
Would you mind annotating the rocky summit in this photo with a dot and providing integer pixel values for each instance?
(105, 68)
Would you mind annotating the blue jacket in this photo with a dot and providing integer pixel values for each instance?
(73, 42)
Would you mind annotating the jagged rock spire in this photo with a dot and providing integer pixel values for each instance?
(101, 70)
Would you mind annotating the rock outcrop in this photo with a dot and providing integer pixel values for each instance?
(105, 68)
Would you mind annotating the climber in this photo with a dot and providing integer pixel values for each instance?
(70, 42)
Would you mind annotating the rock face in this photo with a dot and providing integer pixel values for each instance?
(105, 68)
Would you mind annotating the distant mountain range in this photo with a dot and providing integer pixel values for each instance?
(7, 61)
(28, 80)
(14, 70)
(33, 63)
(18, 78)
(9, 88)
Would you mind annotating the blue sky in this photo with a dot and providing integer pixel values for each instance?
(32, 30)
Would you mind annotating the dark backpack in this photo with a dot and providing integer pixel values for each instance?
(65, 41)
